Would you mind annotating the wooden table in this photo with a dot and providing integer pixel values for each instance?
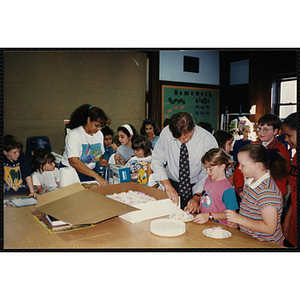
(23, 231)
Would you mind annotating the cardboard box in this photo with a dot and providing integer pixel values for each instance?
(76, 205)
(118, 174)
(153, 209)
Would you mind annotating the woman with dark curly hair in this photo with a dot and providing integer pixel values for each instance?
(151, 130)
(84, 145)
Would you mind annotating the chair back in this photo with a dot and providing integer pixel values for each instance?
(34, 142)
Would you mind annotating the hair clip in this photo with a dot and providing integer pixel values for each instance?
(90, 107)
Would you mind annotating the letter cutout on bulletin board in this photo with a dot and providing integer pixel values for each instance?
(202, 103)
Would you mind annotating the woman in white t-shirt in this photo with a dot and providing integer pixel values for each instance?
(84, 145)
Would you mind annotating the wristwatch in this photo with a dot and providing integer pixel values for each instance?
(210, 217)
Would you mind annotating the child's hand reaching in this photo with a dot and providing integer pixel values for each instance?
(201, 218)
(192, 206)
(119, 160)
(34, 195)
(232, 216)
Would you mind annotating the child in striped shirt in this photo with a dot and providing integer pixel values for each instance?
(261, 206)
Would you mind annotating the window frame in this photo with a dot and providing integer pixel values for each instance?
(276, 92)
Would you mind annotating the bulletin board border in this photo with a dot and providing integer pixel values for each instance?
(191, 87)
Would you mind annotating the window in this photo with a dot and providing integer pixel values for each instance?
(284, 97)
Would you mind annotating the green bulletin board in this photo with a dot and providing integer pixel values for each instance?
(202, 103)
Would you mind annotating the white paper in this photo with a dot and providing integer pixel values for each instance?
(150, 210)
(68, 176)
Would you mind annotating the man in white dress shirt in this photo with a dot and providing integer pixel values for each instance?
(165, 157)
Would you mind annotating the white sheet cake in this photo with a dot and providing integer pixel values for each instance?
(131, 197)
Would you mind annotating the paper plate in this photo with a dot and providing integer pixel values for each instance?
(167, 227)
(208, 232)
(174, 216)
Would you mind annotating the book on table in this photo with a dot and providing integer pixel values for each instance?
(41, 217)
(19, 202)
(55, 222)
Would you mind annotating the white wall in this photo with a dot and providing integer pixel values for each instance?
(171, 67)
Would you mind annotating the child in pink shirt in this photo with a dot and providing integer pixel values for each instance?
(218, 193)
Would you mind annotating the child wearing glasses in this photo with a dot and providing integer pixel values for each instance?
(218, 194)
(267, 130)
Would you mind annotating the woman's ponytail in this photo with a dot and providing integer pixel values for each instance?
(276, 164)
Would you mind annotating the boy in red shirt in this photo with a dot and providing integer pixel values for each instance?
(268, 128)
